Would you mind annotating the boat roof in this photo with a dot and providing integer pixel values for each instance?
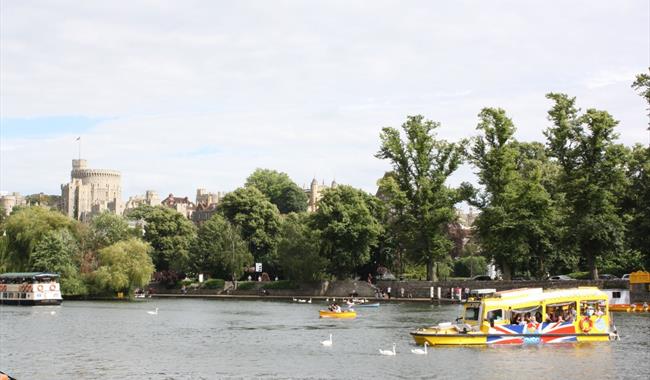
(28, 275)
(531, 295)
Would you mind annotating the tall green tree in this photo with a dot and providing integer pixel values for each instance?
(421, 164)
(170, 235)
(58, 251)
(279, 190)
(26, 227)
(220, 250)
(642, 84)
(123, 267)
(108, 228)
(259, 220)
(592, 179)
(299, 250)
(348, 227)
(516, 226)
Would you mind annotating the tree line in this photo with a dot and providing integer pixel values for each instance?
(578, 201)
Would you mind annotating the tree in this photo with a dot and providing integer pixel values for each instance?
(642, 84)
(58, 251)
(220, 250)
(299, 250)
(421, 166)
(170, 235)
(279, 190)
(108, 228)
(591, 181)
(518, 216)
(259, 220)
(348, 228)
(25, 228)
(123, 267)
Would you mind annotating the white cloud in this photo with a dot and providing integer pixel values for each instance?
(201, 93)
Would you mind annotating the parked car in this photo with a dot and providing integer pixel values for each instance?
(482, 277)
(626, 277)
(561, 277)
(607, 277)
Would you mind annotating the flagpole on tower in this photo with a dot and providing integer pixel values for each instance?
(79, 140)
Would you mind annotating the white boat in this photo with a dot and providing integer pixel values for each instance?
(30, 288)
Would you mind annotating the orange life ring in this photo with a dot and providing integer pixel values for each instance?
(586, 325)
(39, 288)
(52, 287)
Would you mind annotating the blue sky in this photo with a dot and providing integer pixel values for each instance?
(181, 95)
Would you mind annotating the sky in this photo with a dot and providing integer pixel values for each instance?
(180, 95)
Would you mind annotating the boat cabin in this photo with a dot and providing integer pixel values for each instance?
(30, 288)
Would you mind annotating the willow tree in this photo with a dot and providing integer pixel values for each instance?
(421, 165)
(592, 179)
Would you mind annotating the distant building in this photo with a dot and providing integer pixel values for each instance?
(150, 198)
(315, 193)
(9, 201)
(91, 191)
(180, 204)
(206, 205)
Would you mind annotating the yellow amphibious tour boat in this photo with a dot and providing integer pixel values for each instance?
(527, 316)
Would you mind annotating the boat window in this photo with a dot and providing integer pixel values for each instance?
(616, 294)
(592, 307)
(471, 313)
(560, 312)
(526, 315)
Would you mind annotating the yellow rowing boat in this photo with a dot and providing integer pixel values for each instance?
(346, 314)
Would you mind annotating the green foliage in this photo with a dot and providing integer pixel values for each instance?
(347, 227)
(220, 250)
(470, 266)
(423, 205)
(4, 260)
(108, 228)
(517, 223)
(58, 252)
(637, 203)
(170, 235)
(259, 221)
(592, 179)
(214, 283)
(123, 266)
(245, 285)
(279, 189)
(25, 228)
(281, 284)
(299, 250)
(642, 84)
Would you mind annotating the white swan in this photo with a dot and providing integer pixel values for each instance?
(153, 312)
(420, 351)
(388, 352)
(309, 300)
(295, 300)
(327, 343)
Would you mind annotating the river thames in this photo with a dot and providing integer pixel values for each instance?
(214, 339)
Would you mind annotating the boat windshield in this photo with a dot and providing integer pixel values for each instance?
(472, 313)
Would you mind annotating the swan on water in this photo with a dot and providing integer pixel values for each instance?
(420, 351)
(153, 312)
(328, 342)
(309, 300)
(388, 352)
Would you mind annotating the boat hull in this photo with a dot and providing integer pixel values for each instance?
(341, 315)
(564, 332)
(29, 302)
(633, 308)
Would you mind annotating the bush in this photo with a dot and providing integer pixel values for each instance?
(248, 285)
(214, 283)
(187, 282)
(282, 284)
(470, 266)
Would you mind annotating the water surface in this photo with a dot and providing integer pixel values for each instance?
(212, 339)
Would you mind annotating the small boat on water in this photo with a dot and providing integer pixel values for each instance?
(527, 316)
(30, 288)
(376, 304)
(345, 314)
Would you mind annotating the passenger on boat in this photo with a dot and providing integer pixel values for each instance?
(516, 319)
